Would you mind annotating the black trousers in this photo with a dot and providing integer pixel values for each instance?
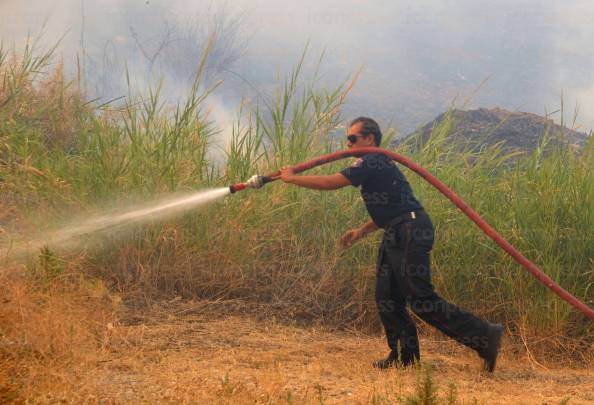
(404, 277)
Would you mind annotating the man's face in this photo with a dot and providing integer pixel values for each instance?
(361, 141)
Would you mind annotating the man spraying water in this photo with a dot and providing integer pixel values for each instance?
(403, 266)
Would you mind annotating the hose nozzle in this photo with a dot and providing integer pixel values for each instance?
(256, 181)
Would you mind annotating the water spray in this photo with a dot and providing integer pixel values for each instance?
(72, 234)
(258, 181)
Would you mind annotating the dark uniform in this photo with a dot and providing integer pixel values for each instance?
(403, 266)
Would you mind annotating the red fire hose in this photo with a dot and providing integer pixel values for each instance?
(488, 229)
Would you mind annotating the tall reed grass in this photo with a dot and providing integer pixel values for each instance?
(60, 154)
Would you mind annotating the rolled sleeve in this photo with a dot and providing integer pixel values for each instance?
(358, 172)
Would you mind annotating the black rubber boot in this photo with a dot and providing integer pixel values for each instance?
(390, 361)
(494, 333)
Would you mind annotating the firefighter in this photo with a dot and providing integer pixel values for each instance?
(403, 273)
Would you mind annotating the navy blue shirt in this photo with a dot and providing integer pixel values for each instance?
(384, 188)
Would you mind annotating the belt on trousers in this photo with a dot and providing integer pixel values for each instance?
(401, 218)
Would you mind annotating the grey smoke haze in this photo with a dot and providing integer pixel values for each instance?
(417, 56)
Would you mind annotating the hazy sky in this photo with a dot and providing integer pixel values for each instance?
(417, 56)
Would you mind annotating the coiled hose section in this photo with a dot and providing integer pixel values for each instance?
(470, 213)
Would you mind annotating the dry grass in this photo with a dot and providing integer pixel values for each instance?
(198, 352)
(63, 157)
(290, 281)
(47, 330)
(264, 258)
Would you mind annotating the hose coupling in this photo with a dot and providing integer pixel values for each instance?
(256, 181)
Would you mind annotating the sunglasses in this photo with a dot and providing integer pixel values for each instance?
(353, 138)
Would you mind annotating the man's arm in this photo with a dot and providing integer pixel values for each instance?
(353, 235)
(330, 182)
(367, 228)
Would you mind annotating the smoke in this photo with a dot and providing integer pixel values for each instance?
(128, 47)
(417, 56)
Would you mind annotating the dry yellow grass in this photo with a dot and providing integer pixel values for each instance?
(47, 328)
(198, 352)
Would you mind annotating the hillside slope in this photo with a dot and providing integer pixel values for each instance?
(519, 130)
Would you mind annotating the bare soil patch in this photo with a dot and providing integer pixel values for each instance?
(184, 354)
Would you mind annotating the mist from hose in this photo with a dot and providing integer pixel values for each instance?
(74, 233)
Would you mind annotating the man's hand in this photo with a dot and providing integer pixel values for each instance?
(286, 174)
(350, 237)
(354, 235)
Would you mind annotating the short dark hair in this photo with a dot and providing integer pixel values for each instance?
(369, 127)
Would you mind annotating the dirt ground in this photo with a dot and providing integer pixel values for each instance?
(183, 354)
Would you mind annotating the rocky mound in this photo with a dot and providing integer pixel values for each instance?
(519, 130)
